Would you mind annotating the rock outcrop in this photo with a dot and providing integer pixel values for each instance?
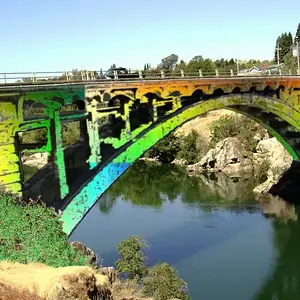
(37, 160)
(279, 161)
(229, 156)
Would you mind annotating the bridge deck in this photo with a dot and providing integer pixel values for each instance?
(109, 84)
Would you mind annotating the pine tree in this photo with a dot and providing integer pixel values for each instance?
(297, 36)
(290, 39)
(284, 42)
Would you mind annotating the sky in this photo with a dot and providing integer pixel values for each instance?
(60, 35)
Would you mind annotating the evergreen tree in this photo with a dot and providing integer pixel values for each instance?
(290, 39)
(284, 42)
(297, 36)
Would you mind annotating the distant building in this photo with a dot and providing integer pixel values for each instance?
(274, 68)
(252, 71)
(261, 70)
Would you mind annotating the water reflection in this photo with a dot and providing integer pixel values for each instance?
(148, 184)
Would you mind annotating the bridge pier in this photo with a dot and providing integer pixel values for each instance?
(10, 171)
(57, 154)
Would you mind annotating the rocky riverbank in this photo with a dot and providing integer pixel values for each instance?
(230, 157)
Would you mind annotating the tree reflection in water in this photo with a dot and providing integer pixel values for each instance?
(150, 184)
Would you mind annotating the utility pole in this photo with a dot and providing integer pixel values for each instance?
(278, 49)
(298, 72)
(297, 54)
(237, 66)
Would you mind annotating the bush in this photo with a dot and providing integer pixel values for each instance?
(163, 282)
(35, 136)
(132, 261)
(70, 133)
(192, 147)
(33, 233)
(262, 170)
(166, 149)
(189, 148)
(235, 126)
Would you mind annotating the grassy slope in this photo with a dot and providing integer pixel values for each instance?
(32, 233)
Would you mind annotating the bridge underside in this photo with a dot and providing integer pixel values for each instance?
(112, 128)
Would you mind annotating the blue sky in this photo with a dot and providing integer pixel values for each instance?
(59, 35)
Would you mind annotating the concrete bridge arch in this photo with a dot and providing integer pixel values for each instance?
(280, 118)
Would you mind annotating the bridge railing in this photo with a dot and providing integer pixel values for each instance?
(21, 78)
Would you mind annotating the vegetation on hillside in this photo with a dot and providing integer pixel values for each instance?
(33, 233)
(237, 126)
(166, 149)
(190, 148)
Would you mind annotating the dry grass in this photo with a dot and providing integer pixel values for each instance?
(52, 283)
(202, 123)
(13, 293)
(128, 289)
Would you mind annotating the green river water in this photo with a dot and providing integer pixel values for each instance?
(223, 243)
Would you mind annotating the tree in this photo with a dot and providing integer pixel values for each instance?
(284, 42)
(166, 149)
(192, 147)
(163, 282)
(297, 36)
(132, 261)
(181, 66)
(290, 63)
(168, 63)
(199, 63)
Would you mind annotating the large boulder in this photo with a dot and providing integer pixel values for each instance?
(279, 161)
(228, 156)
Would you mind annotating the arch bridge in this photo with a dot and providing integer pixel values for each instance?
(92, 132)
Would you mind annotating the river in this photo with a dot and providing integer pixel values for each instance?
(209, 227)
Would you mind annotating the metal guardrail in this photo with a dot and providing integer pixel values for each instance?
(23, 78)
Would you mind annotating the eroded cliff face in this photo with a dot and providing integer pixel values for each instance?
(37, 281)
